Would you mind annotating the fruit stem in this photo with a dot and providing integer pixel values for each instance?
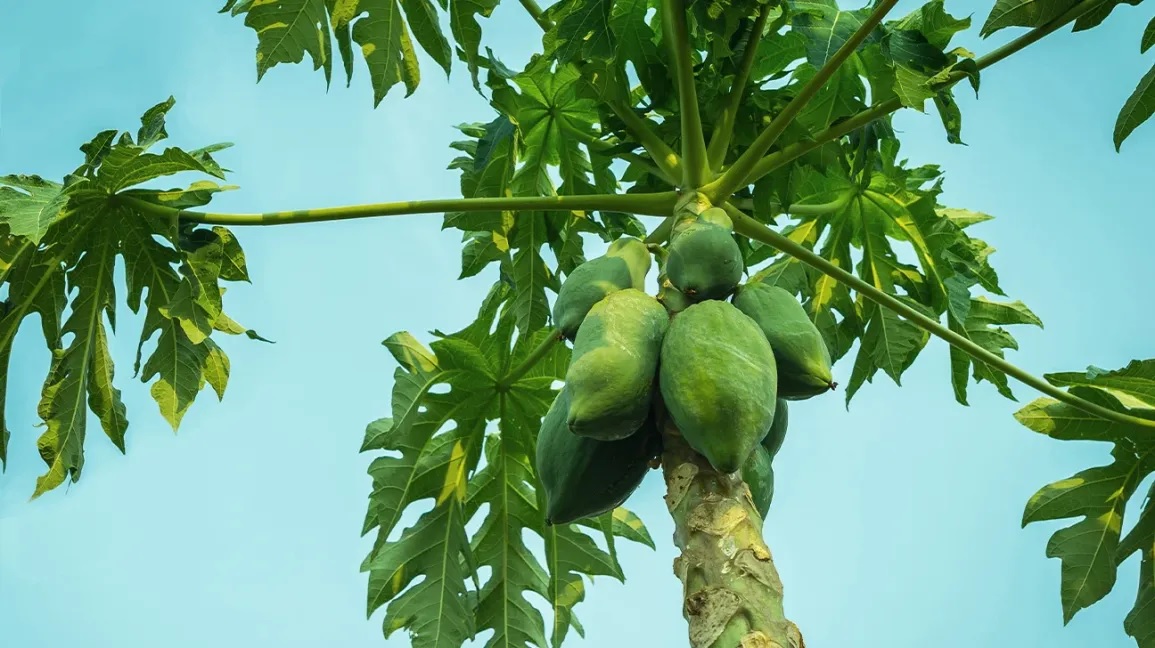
(731, 589)
(747, 226)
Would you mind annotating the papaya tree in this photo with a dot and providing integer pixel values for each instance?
(742, 154)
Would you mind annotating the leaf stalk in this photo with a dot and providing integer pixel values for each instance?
(751, 228)
(724, 129)
(695, 160)
(649, 204)
(538, 15)
(639, 128)
(734, 177)
(789, 153)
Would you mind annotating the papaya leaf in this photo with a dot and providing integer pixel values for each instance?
(914, 47)
(1133, 381)
(439, 447)
(842, 96)
(933, 22)
(288, 30)
(827, 28)
(777, 52)
(486, 171)
(59, 248)
(1091, 549)
(1023, 13)
(636, 39)
(540, 114)
(893, 208)
(980, 321)
(1087, 548)
(1140, 623)
(583, 33)
(1098, 14)
(29, 205)
(531, 274)
(1137, 109)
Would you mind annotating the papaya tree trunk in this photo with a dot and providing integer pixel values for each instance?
(731, 590)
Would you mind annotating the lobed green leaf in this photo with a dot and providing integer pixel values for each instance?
(1092, 548)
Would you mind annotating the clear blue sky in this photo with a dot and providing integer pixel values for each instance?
(896, 524)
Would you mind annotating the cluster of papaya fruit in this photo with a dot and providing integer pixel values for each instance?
(725, 360)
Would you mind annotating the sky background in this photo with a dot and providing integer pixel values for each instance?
(895, 524)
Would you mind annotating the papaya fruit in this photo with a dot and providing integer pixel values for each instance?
(718, 380)
(704, 260)
(614, 364)
(777, 433)
(584, 477)
(803, 358)
(758, 473)
(624, 265)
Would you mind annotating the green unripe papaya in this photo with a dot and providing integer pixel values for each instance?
(614, 364)
(777, 433)
(584, 477)
(624, 265)
(718, 381)
(758, 473)
(705, 261)
(803, 358)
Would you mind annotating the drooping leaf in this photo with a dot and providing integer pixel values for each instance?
(1137, 109)
(1023, 13)
(60, 244)
(1131, 383)
(980, 320)
(1099, 13)
(384, 30)
(1092, 548)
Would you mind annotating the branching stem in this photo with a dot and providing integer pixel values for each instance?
(538, 15)
(534, 357)
(788, 153)
(724, 129)
(663, 156)
(800, 210)
(650, 204)
(602, 146)
(695, 162)
(639, 128)
(734, 177)
(751, 228)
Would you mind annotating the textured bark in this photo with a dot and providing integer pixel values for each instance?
(731, 589)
